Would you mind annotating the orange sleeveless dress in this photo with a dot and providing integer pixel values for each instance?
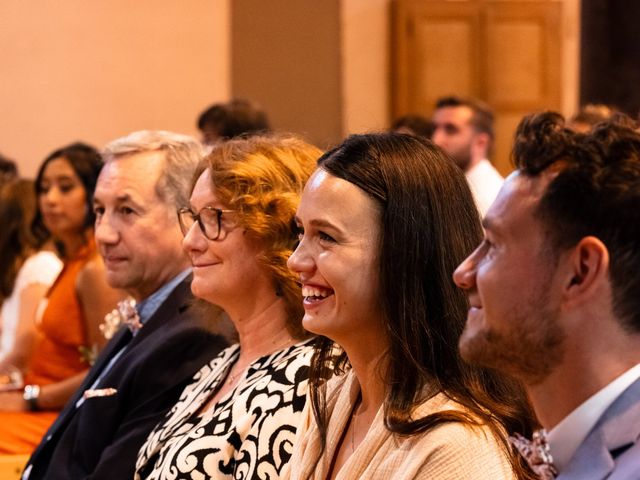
(56, 355)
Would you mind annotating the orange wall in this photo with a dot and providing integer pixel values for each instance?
(97, 70)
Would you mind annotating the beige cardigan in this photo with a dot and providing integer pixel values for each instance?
(450, 451)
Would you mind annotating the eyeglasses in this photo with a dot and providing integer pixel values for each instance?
(208, 220)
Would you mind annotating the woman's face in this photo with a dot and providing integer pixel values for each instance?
(62, 199)
(337, 259)
(225, 270)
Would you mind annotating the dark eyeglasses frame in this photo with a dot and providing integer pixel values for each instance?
(196, 219)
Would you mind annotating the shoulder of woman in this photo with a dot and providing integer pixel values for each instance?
(92, 272)
(475, 445)
(41, 267)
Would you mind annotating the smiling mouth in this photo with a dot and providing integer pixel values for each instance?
(315, 294)
(203, 265)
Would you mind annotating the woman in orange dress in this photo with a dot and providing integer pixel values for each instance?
(69, 319)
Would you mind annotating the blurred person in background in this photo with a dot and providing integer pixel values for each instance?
(464, 130)
(589, 116)
(238, 117)
(74, 307)
(8, 169)
(414, 125)
(28, 267)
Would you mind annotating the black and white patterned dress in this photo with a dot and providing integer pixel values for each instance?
(249, 433)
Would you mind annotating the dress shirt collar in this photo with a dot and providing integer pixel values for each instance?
(565, 438)
(147, 307)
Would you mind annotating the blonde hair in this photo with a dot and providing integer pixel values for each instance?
(262, 178)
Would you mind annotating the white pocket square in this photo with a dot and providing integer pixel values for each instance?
(99, 392)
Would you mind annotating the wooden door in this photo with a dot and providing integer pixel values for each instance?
(505, 52)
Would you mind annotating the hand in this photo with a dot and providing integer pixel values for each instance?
(12, 402)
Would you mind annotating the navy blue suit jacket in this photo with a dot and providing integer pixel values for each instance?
(101, 438)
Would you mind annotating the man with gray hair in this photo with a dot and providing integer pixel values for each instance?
(146, 365)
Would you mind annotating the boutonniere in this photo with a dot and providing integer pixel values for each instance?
(537, 453)
(124, 314)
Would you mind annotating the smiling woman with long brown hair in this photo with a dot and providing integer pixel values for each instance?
(384, 221)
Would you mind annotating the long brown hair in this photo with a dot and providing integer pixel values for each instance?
(429, 225)
(17, 241)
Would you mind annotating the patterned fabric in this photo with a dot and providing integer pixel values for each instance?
(536, 453)
(247, 435)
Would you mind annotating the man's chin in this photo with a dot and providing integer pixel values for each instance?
(476, 349)
(117, 280)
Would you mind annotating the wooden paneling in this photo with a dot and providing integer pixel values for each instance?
(507, 53)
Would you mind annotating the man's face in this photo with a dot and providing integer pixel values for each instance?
(513, 288)
(455, 134)
(136, 231)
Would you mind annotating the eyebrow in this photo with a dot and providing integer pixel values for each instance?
(57, 178)
(318, 223)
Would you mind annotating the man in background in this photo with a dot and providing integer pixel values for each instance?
(463, 128)
(554, 295)
(223, 121)
(146, 365)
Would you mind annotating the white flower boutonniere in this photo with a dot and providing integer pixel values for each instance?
(126, 314)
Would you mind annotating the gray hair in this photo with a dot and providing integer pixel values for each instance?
(182, 154)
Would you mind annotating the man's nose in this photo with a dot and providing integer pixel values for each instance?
(105, 232)
(464, 276)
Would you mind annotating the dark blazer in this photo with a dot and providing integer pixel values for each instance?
(101, 438)
(612, 448)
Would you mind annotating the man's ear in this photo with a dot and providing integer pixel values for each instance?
(588, 267)
(481, 143)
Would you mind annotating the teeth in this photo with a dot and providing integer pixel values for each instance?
(314, 292)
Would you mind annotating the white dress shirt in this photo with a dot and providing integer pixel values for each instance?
(485, 183)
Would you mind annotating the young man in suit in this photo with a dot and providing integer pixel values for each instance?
(144, 368)
(554, 294)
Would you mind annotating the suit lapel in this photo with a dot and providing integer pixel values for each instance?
(617, 430)
(175, 301)
(117, 343)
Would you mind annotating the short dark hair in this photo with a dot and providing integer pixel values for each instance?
(235, 118)
(429, 224)
(595, 192)
(417, 124)
(86, 162)
(8, 169)
(482, 118)
(591, 114)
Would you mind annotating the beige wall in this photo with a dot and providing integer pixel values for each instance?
(97, 70)
(365, 65)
